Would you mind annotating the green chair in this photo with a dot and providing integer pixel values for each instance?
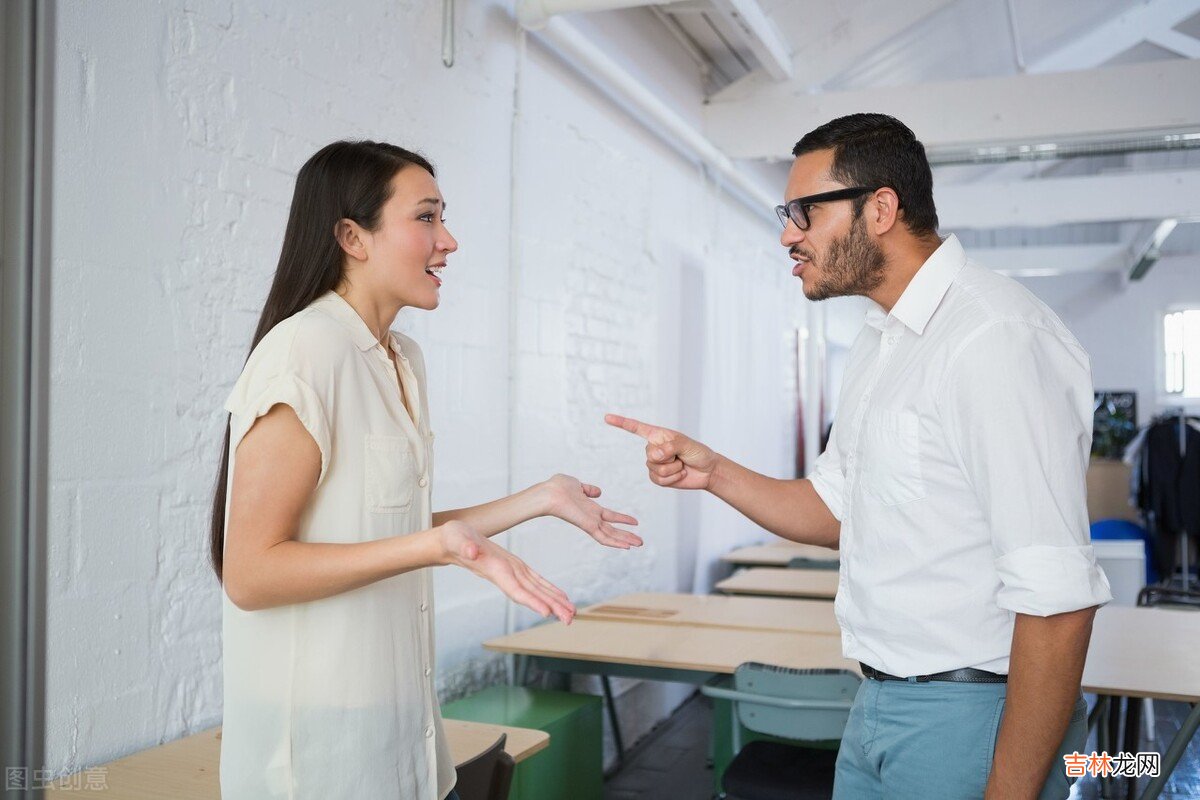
(800, 705)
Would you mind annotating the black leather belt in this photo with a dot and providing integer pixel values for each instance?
(967, 675)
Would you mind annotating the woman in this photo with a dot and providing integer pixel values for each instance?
(328, 607)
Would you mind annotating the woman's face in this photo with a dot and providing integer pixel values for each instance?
(408, 250)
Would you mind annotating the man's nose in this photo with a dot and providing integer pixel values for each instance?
(791, 235)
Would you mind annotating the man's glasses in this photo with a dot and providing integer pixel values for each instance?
(797, 210)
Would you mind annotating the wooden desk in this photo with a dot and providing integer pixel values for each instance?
(187, 768)
(777, 554)
(686, 653)
(718, 611)
(818, 583)
(1148, 652)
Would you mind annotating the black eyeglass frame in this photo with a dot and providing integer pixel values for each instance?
(797, 210)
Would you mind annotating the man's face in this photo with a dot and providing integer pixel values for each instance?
(836, 256)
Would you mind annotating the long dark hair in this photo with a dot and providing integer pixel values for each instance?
(343, 180)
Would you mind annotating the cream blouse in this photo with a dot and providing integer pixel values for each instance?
(335, 698)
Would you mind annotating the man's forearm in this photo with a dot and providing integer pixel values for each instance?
(788, 508)
(1045, 670)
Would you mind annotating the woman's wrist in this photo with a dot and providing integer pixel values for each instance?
(540, 499)
(433, 546)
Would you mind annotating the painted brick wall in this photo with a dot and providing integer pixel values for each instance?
(180, 126)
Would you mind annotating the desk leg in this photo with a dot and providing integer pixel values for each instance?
(612, 718)
(1175, 752)
(522, 670)
(1133, 728)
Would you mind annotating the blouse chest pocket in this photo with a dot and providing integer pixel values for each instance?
(390, 475)
(892, 457)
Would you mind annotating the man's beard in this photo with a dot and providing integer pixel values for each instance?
(853, 265)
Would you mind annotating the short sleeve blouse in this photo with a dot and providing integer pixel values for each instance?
(335, 697)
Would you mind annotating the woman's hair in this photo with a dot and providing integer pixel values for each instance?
(343, 180)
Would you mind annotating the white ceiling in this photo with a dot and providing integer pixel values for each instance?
(856, 46)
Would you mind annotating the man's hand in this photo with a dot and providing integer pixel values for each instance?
(672, 459)
(573, 502)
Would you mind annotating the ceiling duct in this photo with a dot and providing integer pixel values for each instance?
(1042, 151)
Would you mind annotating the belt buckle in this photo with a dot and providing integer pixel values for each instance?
(924, 678)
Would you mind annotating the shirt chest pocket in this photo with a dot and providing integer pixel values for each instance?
(390, 474)
(892, 457)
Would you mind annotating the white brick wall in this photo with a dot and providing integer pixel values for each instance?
(180, 126)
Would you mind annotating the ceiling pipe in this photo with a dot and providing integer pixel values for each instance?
(643, 105)
(1044, 151)
(533, 14)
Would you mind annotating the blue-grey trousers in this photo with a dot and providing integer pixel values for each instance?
(933, 741)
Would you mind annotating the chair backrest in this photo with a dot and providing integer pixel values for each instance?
(781, 683)
(804, 562)
(487, 776)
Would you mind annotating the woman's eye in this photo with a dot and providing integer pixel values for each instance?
(427, 217)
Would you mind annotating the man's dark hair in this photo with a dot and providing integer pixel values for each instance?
(876, 150)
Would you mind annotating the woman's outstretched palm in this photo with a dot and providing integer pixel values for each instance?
(574, 502)
(464, 547)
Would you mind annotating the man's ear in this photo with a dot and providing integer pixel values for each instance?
(883, 211)
(350, 237)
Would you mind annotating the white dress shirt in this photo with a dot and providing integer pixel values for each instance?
(956, 466)
(335, 698)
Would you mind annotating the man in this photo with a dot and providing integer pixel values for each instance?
(953, 484)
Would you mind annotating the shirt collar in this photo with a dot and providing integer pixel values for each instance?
(926, 289)
(334, 305)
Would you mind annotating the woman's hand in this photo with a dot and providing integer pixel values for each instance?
(462, 546)
(572, 501)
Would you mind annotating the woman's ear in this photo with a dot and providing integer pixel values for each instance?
(350, 237)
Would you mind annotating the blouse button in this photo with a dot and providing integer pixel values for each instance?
(424, 606)
(429, 733)
(423, 482)
(428, 672)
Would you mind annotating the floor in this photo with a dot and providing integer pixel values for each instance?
(672, 760)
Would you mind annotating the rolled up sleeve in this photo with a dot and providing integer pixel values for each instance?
(1017, 407)
(828, 476)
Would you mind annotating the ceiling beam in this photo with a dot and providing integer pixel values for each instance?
(1059, 201)
(1147, 250)
(758, 34)
(1046, 261)
(831, 41)
(1115, 102)
(1117, 35)
(1178, 43)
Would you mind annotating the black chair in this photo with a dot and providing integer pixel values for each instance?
(487, 776)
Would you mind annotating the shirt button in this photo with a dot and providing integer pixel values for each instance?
(429, 733)
(891, 340)
(423, 482)
(424, 606)
(428, 672)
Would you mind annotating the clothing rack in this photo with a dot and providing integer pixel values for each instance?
(1179, 587)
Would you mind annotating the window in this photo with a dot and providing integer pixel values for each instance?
(1181, 351)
